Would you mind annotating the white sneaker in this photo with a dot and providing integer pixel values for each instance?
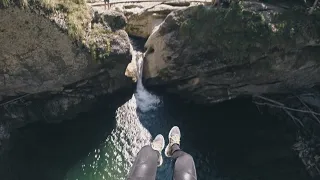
(158, 145)
(174, 138)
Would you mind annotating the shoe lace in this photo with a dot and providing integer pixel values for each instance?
(175, 139)
(156, 146)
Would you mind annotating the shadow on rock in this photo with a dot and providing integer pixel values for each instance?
(47, 151)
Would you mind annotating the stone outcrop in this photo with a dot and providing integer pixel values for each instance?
(36, 56)
(144, 18)
(210, 54)
(50, 75)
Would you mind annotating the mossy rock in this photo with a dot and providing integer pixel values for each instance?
(218, 53)
(113, 19)
(240, 29)
(76, 12)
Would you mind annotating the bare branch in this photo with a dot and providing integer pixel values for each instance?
(276, 104)
(314, 116)
(270, 100)
(295, 119)
(313, 6)
(287, 108)
(13, 100)
(258, 109)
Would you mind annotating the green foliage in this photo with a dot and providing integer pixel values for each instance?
(298, 26)
(66, 5)
(96, 54)
(108, 47)
(78, 19)
(78, 16)
(99, 43)
(234, 32)
(98, 30)
(93, 51)
(230, 31)
(77, 12)
(7, 3)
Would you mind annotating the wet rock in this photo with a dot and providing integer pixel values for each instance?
(137, 58)
(132, 70)
(210, 54)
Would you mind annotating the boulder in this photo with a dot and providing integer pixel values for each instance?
(210, 54)
(112, 20)
(46, 74)
(143, 19)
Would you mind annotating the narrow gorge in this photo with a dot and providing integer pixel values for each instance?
(84, 87)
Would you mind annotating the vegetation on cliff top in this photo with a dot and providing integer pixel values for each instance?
(78, 19)
(236, 30)
(76, 12)
(77, 15)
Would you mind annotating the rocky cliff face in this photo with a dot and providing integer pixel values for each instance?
(143, 19)
(210, 54)
(50, 71)
(36, 56)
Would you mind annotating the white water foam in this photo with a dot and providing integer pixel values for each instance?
(130, 135)
(145, 100)
(129, 130)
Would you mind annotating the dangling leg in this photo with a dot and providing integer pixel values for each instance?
(147, 160)
(184, 167)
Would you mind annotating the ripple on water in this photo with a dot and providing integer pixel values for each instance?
(113, 159)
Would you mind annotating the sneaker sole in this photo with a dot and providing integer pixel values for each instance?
(163, 143)
(160, 160)
(166, 152)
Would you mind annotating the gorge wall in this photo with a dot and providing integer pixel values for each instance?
(210, 54)
(60, 59)
(57, 60)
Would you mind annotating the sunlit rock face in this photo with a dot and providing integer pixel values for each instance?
(208, 54)
(46, 75)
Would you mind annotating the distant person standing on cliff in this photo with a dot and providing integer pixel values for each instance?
(105, 4)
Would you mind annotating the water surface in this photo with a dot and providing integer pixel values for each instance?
(229, 141)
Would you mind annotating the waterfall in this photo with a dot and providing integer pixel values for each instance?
(118, 151)
(130, 135)
(145, 100)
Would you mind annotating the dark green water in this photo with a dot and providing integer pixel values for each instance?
(231, 140)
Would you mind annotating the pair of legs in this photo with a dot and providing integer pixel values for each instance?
(149, 157)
